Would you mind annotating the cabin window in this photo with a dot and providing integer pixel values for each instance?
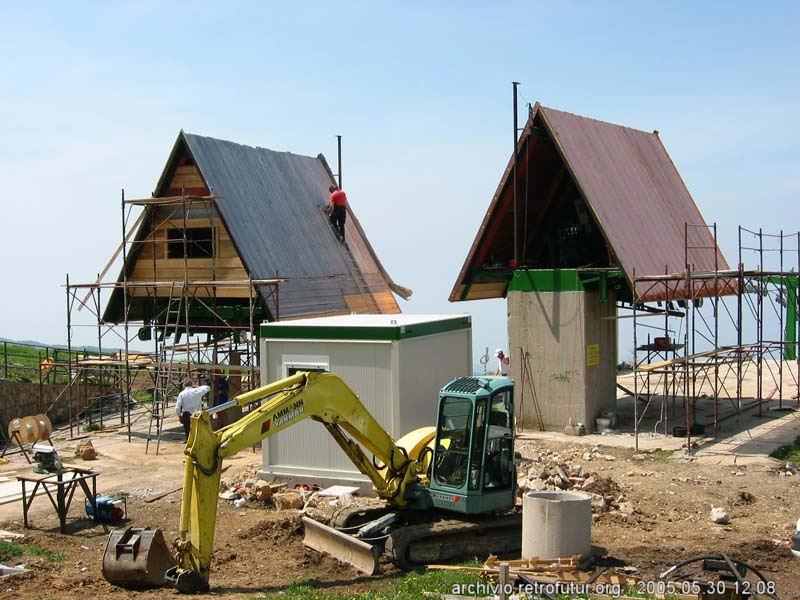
(199, 242)
(453, 441)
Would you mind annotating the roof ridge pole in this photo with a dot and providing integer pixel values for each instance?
(339, 158)
(514, 84)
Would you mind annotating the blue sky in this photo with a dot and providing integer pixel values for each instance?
(95, 93)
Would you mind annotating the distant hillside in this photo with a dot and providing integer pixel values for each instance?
(93, 349)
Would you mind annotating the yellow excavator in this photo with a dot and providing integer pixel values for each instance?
(449, 490)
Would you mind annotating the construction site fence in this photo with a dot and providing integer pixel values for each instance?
(38, 364)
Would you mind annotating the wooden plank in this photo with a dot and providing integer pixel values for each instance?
(187, 176)
(144, 273)
(194, 222)
(535, 561)
(358, 303)
(225, 252)
(222, 293)
(194, 264)
(482, 291)
(176, 199)
(160, 232)
(386, 303)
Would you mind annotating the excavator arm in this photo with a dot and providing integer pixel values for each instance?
(323, 397)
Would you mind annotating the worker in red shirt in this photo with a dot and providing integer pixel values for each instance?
(337, 209)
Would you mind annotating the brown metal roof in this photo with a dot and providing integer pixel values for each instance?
(635, 195)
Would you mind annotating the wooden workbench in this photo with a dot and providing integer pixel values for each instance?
(63, 483)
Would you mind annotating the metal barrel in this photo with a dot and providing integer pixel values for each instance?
(136, 557)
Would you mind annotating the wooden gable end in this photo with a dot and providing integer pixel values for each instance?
(186, 178)
(210, 252)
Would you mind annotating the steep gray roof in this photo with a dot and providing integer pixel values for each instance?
(273, 206)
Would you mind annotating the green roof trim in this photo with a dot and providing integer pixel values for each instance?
(560, 280)
(363, 332)
(546, 280)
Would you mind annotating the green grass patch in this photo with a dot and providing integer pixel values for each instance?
(91, 427)
(143, 396)
(12, 550)
(54, 557)
(9, 550)
(788, 452)
(409, 586)
(21, 362)
(659, 455)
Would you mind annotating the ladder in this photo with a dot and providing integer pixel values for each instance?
(363, 289)
(361, 284)
(164, 382)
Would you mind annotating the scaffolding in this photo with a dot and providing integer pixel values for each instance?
(140, 384)
(717, 329)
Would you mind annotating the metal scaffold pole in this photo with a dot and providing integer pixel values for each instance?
(126, 390)
(69, 360)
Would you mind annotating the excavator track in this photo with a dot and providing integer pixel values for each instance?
(413, 545)
(352, 516)
(427, 537)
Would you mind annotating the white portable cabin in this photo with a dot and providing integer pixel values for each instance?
(396, 364)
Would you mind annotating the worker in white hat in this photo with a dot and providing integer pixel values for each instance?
(502, 362)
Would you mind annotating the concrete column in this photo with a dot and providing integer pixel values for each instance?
(563, 356)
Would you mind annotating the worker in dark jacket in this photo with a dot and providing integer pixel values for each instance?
(337, 209)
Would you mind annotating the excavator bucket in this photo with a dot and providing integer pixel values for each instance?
(344, 548)
(136, 557)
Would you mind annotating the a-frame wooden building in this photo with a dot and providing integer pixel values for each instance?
(223, 215)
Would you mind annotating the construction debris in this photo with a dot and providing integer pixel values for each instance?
(8, 571)
(260, 490)
(86, 450)
(288, 501)
(550, 471)
(338, 490)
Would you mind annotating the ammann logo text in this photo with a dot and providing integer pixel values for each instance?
(285, 415)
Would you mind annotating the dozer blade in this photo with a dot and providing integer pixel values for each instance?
(345, 548)
(136, 557)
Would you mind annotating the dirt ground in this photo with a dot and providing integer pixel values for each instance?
(259, 550)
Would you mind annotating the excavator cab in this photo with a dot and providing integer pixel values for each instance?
(473, 469)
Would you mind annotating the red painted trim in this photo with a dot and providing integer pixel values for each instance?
(503, 206)
(190, 191)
